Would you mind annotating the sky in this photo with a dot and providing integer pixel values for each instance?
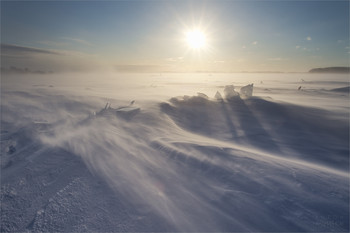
(150, 35)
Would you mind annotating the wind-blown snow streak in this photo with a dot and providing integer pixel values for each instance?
(191, 163)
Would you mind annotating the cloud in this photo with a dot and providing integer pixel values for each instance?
(308, 38)
(54, 43)
(297, 47)
(340, 41)
(255, 43)
(37, 59)
(347, 48)
(67, 41)
(21, 50)
(309, 49)
(80, 41)
(244, 47)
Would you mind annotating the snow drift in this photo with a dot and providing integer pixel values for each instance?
(189, 163)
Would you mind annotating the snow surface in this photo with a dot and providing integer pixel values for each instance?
(186, 159)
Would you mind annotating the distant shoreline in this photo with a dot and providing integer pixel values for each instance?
(341, 70)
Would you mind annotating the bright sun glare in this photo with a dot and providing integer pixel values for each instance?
(196, 39)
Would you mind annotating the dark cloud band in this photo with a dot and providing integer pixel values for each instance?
(11, 49)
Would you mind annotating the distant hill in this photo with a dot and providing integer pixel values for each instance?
(17, 70)
(342, 89)
(331, 70)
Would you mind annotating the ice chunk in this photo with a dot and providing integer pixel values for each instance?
(247, 91)
(202, 95)
(230, 92)
(218, 96)
(11, 149)
(127, 112)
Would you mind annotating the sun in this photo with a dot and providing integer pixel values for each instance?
(196, 39)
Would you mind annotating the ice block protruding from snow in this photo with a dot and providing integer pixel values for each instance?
(218, 96)
(230, 92)
(247, 91)
(202, 95)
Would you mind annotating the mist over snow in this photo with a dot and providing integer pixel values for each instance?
(199, 154)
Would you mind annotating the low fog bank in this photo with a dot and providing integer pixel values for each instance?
(184, 162)
(302, 88)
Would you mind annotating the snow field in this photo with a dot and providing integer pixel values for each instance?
(183, 163)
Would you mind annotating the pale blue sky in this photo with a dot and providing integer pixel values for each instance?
(242, 35)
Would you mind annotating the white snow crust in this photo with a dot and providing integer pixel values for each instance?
(171, 154)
